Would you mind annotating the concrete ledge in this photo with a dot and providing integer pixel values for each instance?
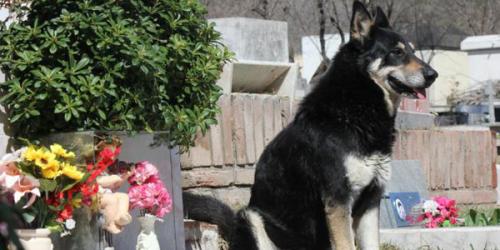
(407, 120)
(260, 77)
(203, 236)
(458, 238)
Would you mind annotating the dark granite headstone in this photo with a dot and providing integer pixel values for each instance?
(139, 147)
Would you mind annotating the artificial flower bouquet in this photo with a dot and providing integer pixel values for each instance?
(436, 212)
(147, 192)
(46, 184)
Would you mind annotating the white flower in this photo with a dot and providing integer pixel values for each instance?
(431, 206)
(70, 224)
(13, 157)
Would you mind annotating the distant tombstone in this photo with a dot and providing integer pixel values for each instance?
(483, 53)
(407, 176)
(254, 39)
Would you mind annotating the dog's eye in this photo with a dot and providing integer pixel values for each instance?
(398, 52)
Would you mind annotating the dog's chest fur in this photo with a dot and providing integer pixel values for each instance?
(361, 171)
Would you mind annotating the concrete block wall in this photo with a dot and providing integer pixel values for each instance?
(457, 162)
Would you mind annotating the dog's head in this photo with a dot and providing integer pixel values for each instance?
(387, 57)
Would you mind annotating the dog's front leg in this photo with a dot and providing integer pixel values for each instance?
(339, 222)
(366, 226)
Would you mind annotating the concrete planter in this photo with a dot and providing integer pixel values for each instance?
(152, 147)
(457, 238)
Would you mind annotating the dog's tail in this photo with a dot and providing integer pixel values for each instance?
(210, 210)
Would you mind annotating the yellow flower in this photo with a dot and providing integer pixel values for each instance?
(60, 151)
(31, 154)
(76, 202)
(51, 169)
(72, 172)
(44, 158)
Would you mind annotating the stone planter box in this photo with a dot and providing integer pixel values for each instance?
(458, 238)
(142, 146)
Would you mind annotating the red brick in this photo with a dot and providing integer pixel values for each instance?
(227, 129)
(469, 160)
(216, 141)
(200, 153)
(239, 140)
(249, 128)
(461, 196)
(207, 177)
(277, 125)
(244, 176)
(268, 119)
(285, 105)
(258, 119)
(485, 196)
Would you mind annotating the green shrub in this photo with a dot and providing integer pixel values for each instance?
(130, 65)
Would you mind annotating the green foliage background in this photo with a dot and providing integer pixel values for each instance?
(111, 65)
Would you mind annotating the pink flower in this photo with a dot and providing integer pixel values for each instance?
(152, 197)
(144, 172)
(13, 180)
(26, 185)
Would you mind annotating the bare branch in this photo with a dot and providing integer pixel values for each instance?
(322, 28)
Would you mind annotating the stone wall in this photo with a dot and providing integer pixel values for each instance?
(457, 162)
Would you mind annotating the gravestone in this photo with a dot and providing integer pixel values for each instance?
(254, 39)
(407, 176)
(151, 147)
(262, 60)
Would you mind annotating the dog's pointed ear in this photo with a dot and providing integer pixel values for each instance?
(381, 19)
(361, 21)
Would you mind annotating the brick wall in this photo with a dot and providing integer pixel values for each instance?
(458, 163)
(222, 162)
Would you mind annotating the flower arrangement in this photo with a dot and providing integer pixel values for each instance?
(436, 212)
(147, 192)
(45, 184)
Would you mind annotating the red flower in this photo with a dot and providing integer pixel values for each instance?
(66, 213)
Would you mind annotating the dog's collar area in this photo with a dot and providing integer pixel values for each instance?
(400, 88)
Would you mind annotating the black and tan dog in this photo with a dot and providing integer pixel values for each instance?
(319, 183)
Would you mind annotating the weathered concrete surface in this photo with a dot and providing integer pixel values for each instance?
(275, 78)
(406, 120)
(201, 236)
(458, 238)
(254, 39)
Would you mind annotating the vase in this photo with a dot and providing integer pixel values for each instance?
(35, 239)
(147, 240)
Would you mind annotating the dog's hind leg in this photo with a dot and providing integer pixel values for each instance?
(366, 227)
(340, 226)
